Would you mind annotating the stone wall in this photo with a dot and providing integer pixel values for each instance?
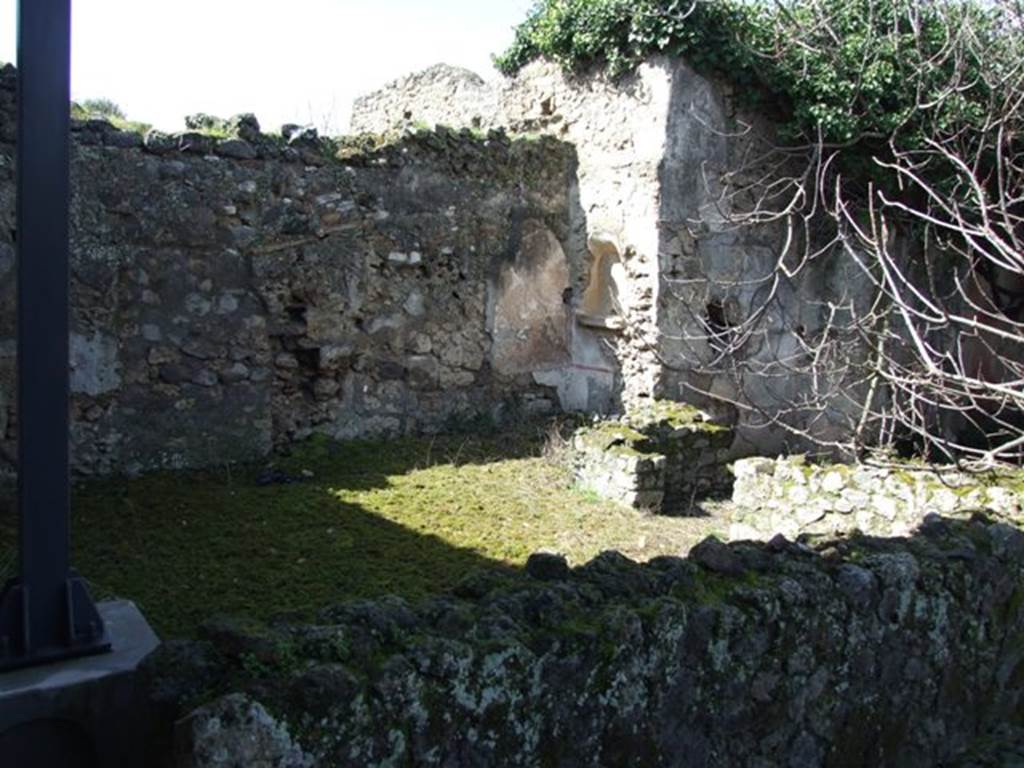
(735, 334)
(857, 652)
(234, 292)
(653, 148)
(662, 457)
(619, 131)
(790, 496)
(443, 94)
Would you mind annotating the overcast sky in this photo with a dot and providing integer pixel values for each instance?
(294, 61)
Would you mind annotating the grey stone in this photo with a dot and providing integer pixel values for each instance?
(123, 139)
(95, 364)
(246, 127)
(236, 373)
(204, 377)
(414, 305)
(424, 372)
(195, 143)
(302, 136)
(717, 556)
(160, 143)
(335, 357)
(237, 149)
(547, 566)
(857, 584)
(287, 361)
(234, 731)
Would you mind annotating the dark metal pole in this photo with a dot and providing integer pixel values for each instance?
(46, 613)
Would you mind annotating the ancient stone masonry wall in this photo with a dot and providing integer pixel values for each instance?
(443, 94)
(662, 457)
(858, 652)
(232, 293)
(791, 496)
(618, 129)
(675, 271)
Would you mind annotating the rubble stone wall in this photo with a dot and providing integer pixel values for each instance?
(619, 130)
(854, 652)
(663, 457)
(791, 496)
(654, 148)
(230, 293)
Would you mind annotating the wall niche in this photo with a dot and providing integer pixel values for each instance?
(601, 307)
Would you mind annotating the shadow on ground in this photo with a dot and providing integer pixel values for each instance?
(269, 539)
(330, 522)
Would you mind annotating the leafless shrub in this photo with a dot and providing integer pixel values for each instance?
(919, 340)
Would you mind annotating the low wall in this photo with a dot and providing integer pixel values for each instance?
(233, 292)
(859, 652)
(792, 496)
(664, 457)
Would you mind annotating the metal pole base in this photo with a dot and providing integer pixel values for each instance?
(84, 631)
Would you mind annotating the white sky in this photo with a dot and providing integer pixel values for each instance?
(287, 61)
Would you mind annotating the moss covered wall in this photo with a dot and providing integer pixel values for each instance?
(855, 652)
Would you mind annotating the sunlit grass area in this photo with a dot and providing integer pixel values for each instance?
(331, 522)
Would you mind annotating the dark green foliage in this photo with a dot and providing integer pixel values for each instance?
(842, 70)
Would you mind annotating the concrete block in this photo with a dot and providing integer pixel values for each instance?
(89, 711)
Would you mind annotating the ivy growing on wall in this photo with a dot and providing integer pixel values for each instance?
(900, 146)
(841, 71)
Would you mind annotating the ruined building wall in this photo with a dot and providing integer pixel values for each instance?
(230, 294)
(618, 129)
(652, 149)
(719, 282)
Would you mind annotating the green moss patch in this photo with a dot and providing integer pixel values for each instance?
(667, 413)
(410, 517)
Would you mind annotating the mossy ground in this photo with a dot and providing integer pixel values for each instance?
(410, 517)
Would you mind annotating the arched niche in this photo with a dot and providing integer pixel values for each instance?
(601, 306)
(527, 313)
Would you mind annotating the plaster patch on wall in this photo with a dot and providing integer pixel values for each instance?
(95, 368)
(601, 306)
(529, 323)
(580, 389)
